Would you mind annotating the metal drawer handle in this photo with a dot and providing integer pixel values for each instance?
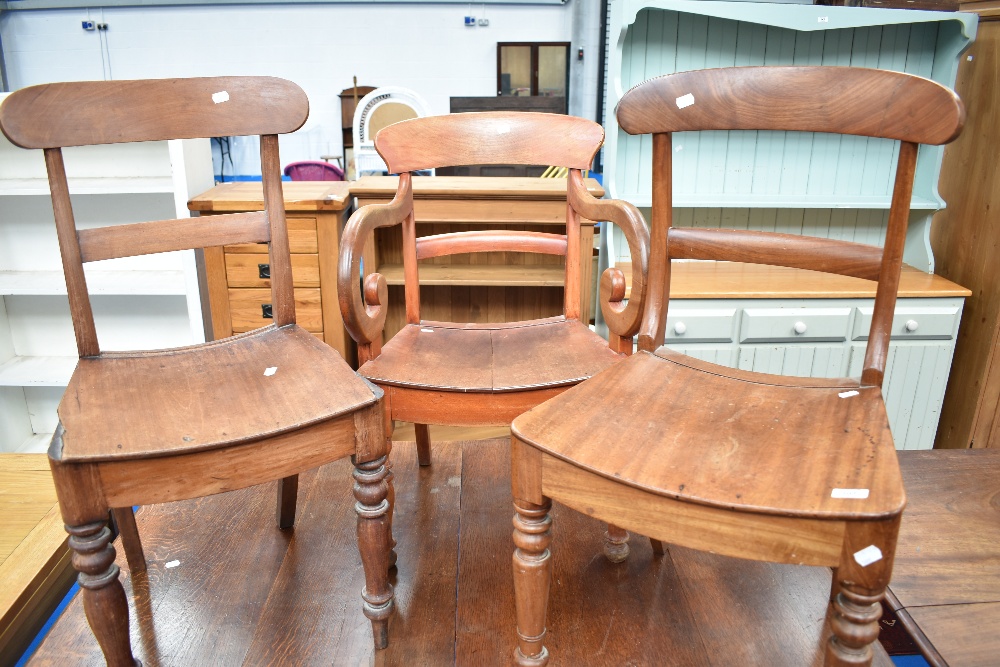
(265, 311)
(911, 325)
(264, 271)
(799, 328)
(680, 328)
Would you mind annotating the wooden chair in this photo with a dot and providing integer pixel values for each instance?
(765, 467)
(486, 374)
(165, 425)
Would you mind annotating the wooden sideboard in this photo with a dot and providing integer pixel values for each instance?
(482, 287)
(238, 284)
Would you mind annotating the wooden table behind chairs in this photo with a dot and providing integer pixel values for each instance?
(946, 580)
(481, 287)
(35, 570)
(237, 284)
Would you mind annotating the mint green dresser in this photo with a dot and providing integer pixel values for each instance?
(787, 321)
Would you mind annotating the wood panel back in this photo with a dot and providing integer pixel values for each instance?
(494, 137)
(844, 100)
(83, 113)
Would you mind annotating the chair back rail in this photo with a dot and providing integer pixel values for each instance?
(143, 238)
(490, 241)
(85, 113)
(493, 137)
(842, 100)
(51, 116)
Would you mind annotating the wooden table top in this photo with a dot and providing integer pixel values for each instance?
(34, 559)
(734, 280)
(249, 196)
(472, 187)
(946, 579)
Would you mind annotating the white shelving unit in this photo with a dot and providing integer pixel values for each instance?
(139, 302)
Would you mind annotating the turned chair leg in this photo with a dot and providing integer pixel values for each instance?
(390, 476)
(288, 489)
(125, 520)
(532, 565)
(423, 444)
(371, 491)
(103, 596)
(860, 582)
(616, 544)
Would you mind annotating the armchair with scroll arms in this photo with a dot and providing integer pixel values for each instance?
(477, 374)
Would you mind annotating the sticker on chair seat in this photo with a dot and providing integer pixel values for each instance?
(270, 370)
(848, 394)
(220, 97)
(868, 555)
(685, 101)
(852, 494)
(427, 330)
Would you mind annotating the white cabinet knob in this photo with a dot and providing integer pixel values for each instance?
(680, 328)
(799, 327)
(911, 325)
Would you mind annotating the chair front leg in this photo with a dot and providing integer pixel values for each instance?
(532, 578)
(103, 596)
(862, 577)
(371, 491)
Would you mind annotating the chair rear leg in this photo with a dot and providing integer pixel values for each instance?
(423, 444)
(657, 546)
(125, 520)
(288, 489)
(616, 544)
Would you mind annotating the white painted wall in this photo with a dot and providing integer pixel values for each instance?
(424, 47)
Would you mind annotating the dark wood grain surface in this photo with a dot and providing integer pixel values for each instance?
(946, 581)
(247, 593)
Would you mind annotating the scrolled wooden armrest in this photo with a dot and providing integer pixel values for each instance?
(364, 309)
(623, 318)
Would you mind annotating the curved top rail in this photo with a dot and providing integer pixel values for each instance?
(843, 100)
(491, 137)
(84, 113)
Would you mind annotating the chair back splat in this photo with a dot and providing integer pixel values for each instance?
(842, 100)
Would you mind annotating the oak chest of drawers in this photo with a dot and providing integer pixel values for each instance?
(239, 275)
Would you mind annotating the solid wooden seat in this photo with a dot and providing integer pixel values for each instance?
(491, 358)
(148, 427)
(757, 466)
(757, 420)
(175, 403)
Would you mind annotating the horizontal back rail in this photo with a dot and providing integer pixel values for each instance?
(493, 137)
(109, 112)
(490, 241)
(800, 252)
(844, 100)
(143, 238)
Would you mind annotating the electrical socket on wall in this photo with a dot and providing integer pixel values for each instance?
(88, 25)
(484, 22)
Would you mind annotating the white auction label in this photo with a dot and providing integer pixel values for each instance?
(868, 555)
(855, 494)
(685, 101)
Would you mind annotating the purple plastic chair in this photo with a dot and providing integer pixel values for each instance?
(314, 170)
